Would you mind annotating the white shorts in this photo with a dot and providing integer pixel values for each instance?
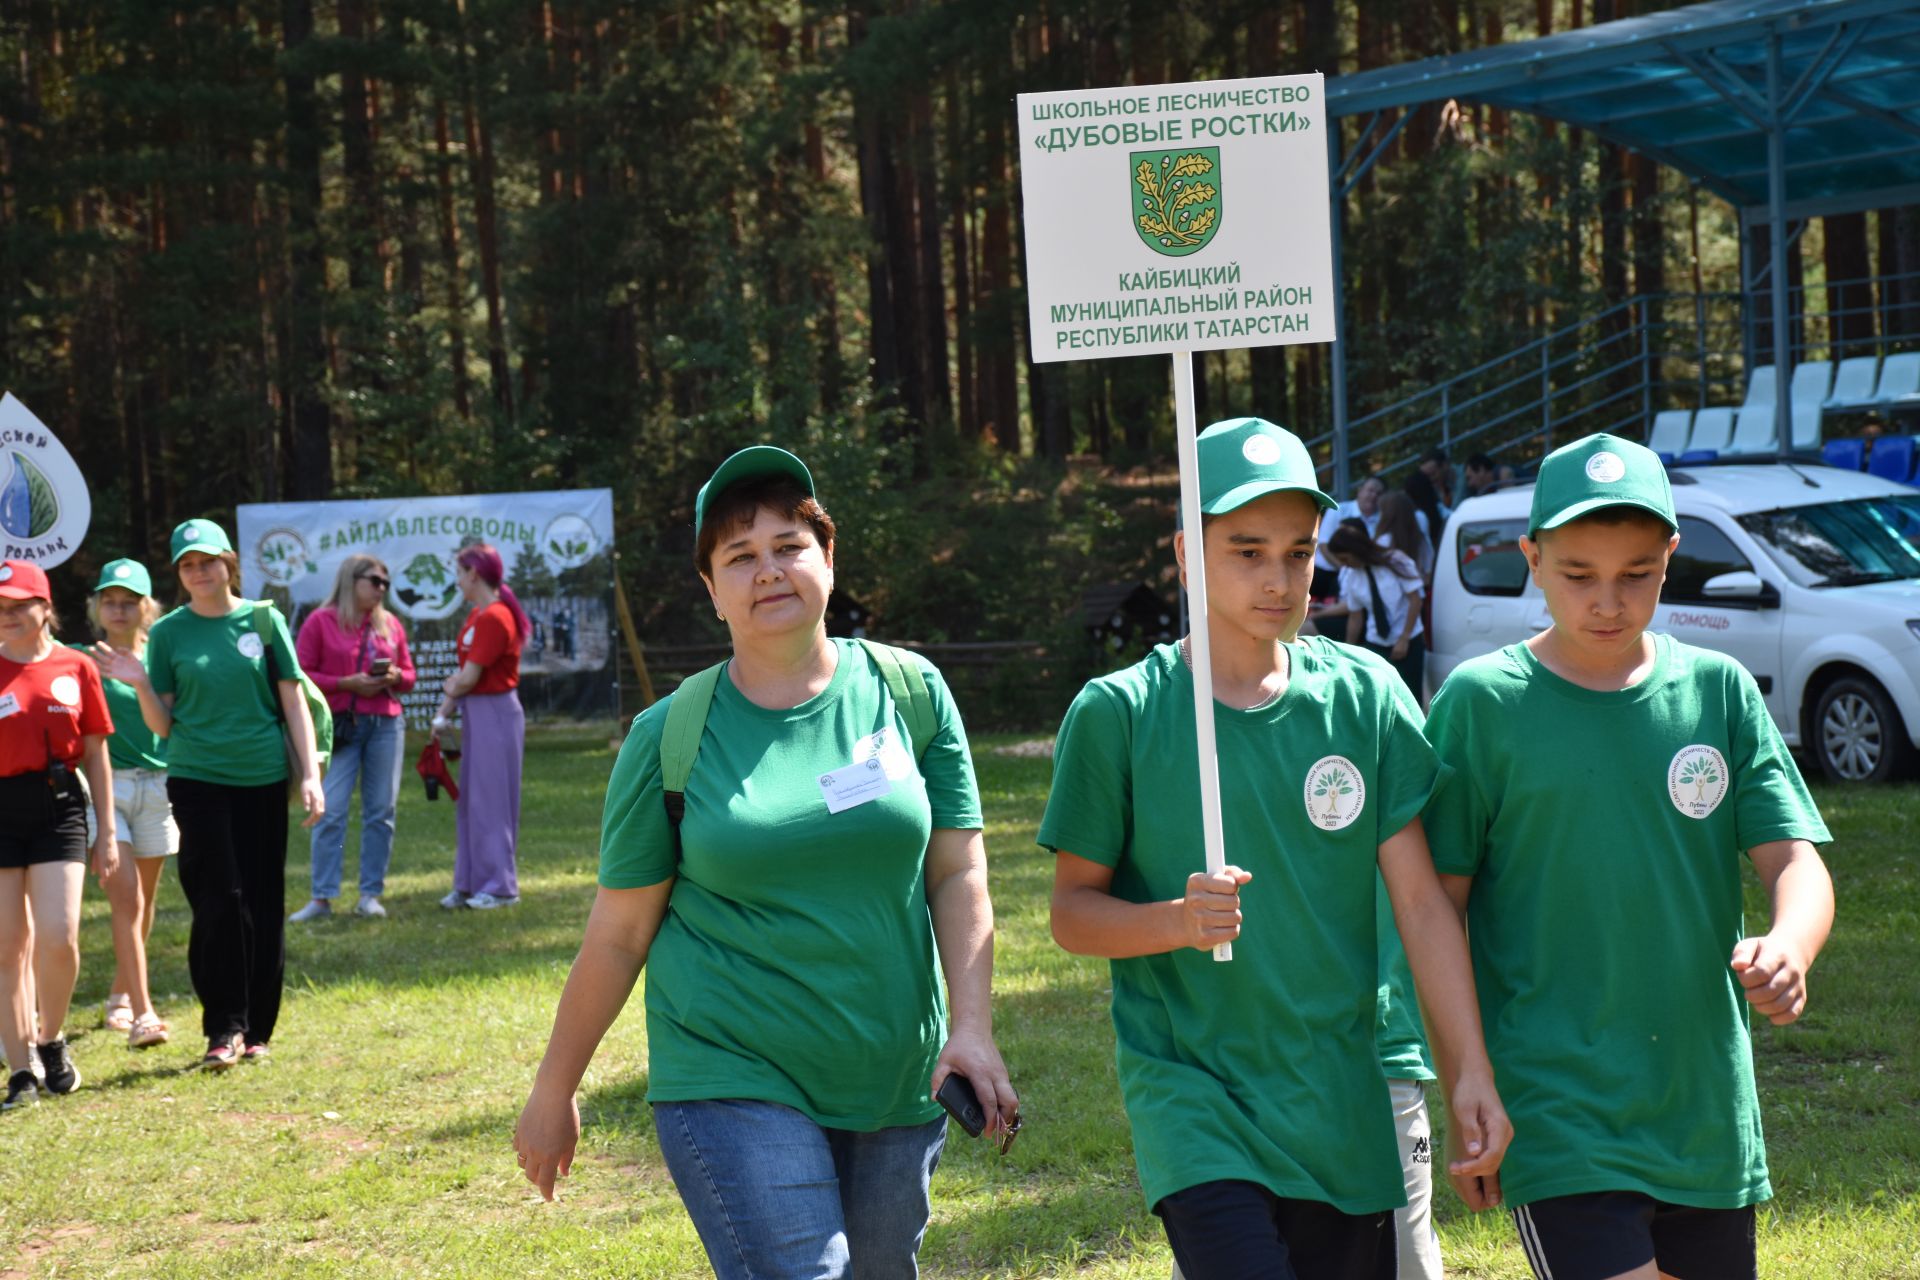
(141, 815)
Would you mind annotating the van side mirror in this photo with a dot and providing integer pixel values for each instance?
(1741, 588)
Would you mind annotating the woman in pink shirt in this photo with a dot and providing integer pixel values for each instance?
(356, 651)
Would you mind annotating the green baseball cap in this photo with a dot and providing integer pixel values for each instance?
(130, 574)
(1595, 472)
(1246, 458)
(755, 460)
(203, 536)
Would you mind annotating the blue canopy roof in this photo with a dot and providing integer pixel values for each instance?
(1690, 88)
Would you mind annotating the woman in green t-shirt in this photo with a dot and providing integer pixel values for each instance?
(122, 611)
(828, 842)
(221, 678)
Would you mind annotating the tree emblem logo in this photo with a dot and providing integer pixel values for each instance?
(282, 554)
(28, 504)
(1697, 780)
(1336, 793)
(1177, 203)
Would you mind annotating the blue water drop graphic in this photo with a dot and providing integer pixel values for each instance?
(16, 503)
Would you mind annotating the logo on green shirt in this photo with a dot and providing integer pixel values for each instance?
(1336, 793)
(1697, 780)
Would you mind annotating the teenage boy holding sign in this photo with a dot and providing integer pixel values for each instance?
(1261, 1121)
(1616, 778)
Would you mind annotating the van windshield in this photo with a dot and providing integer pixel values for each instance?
(1843, 544)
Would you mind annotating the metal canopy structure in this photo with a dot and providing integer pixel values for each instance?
(1787, 109)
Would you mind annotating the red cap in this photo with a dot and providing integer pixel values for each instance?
(23, 580)
(432, 766)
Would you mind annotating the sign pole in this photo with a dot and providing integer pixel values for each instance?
(1187, 431)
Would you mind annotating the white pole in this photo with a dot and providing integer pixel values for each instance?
(1186, 433)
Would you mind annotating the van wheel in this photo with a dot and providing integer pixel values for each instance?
(1857, 733)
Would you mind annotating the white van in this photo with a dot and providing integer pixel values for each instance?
(1807, 575)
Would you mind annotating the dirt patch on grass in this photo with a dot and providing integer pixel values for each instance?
(41, 1246)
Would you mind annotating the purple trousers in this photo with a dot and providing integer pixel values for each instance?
(487, 815)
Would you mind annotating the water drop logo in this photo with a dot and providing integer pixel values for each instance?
(44, 504)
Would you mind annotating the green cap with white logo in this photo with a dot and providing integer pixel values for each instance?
(1246, 458)
(755, 460)
(1599, 471)
(203, 536)
(130, 574)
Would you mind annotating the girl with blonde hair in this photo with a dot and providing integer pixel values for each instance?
(356, 651)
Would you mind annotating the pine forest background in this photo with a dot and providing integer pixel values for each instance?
(258, 251)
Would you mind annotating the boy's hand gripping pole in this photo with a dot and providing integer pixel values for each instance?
(1186, 434)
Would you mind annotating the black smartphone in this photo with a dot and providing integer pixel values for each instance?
(380, 666)
(962, 1103)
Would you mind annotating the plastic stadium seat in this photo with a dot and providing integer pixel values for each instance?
(1760, 386)
(1812, 383)
(1899, 379)
(1853, 385)
(1806, 427)
(1693, 457)
(1848, 455)
(1670, 428)
(1666, 459)
(1892, 459)
(1753, 431)
(1712, 429)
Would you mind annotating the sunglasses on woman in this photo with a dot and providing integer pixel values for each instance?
(376, 580)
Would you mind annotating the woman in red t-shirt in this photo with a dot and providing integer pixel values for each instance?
(487, 814)
(53, 721)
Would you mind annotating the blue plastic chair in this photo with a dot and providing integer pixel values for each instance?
(1848, 455)
(1666, 457)
(1892, 459)
(1694, 456)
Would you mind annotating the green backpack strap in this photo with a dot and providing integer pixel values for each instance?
(908, 685)
(680, 739)
(319, 712)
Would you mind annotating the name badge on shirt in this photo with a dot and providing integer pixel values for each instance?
(855, 784)
(9, 705)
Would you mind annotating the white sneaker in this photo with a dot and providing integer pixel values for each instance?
(454, 901)
(369, 906)
(487, 902)
(318, 909)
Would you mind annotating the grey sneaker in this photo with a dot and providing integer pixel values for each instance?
(22, 1091)
(454, 901)
(57, 1066)
(369, 906)
(487, 902)
(318, 909)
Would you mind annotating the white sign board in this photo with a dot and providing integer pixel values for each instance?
(45, 507)
(557, 548)
(1180, 217)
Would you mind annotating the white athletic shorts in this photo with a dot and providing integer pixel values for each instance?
(141, 815)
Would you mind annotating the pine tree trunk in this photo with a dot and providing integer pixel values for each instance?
(480, 176)
(450, 265)
(311, 455)
(959, 234)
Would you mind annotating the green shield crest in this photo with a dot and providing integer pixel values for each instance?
(1177, 199)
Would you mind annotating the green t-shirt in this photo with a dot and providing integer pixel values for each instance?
(796, 962)
(133, 745)
(1264, 1069)
(1401, 1035)
(1604, 834)
(226, 724)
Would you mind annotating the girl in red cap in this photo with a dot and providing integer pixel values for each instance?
(53, 722)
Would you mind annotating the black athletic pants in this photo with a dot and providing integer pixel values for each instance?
(1232, 1230)
(233, 869)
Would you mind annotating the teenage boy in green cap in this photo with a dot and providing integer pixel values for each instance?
(1607, 781)
(1261, 1122)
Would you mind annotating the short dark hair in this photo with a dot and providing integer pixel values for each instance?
(1479, 462)
(736, 505)
(1436, 455)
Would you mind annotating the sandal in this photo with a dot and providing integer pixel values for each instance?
(118, 1012)
(147, 1030)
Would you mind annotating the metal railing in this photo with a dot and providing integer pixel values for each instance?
(1614, 370)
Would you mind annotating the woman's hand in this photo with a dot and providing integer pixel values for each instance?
(545, 1138)
(119, 664)
(361, 684)
(976, 1058)
(313, 798)
(106, 857)
(1400, 649)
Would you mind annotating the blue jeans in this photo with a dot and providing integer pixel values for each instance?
(775, 1196)
(373, 759)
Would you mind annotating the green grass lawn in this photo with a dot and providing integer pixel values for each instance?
(376, 1141)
